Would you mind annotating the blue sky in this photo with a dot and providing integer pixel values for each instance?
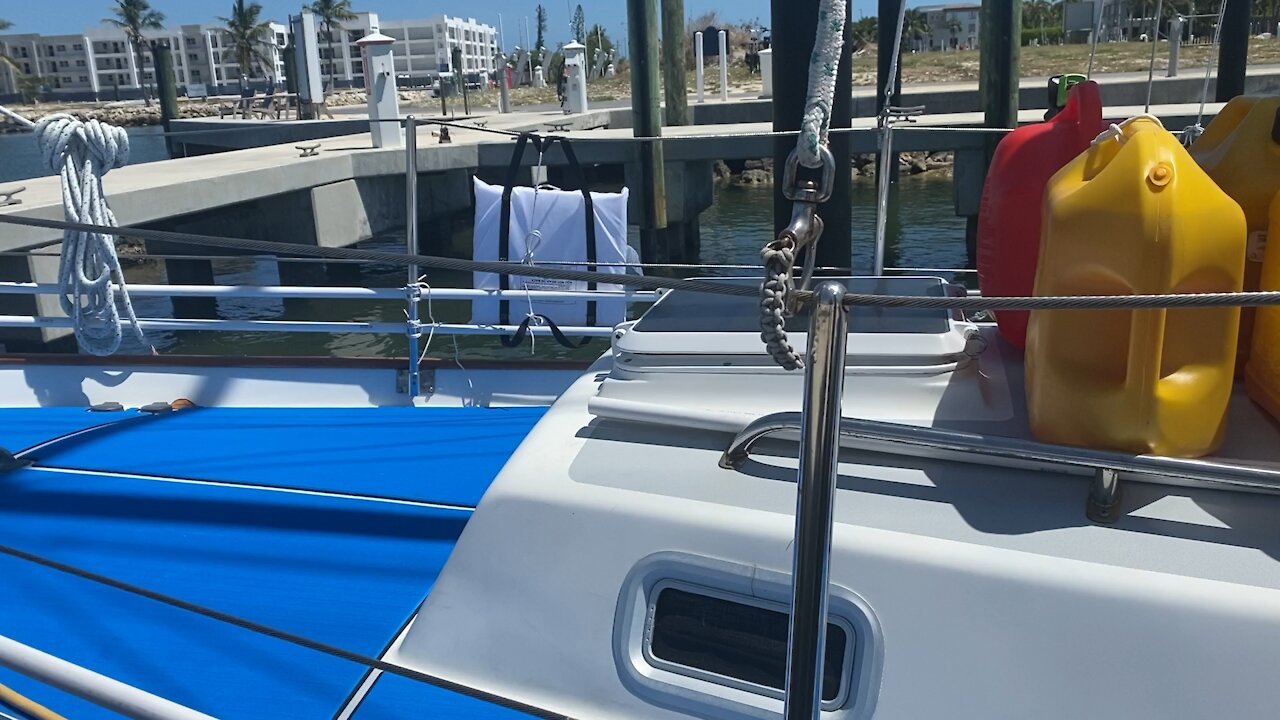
(74, 15)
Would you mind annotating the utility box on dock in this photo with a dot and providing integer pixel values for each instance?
(380, 87)
(307, 62)
(575, 62)
(766, 73)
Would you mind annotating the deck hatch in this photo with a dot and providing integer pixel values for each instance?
(735, 640)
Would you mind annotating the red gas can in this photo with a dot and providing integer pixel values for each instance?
(1009, 217)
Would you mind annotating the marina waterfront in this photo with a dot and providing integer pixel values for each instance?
(20, 158)
(923, 232)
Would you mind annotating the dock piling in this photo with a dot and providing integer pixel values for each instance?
(642, 32)
(675, 91)
(1233, 50)
(162, 61)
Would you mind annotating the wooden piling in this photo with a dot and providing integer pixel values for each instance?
(675, 89)
(1233, 50)
(642, 34)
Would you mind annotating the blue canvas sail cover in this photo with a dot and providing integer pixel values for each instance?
(547, 225)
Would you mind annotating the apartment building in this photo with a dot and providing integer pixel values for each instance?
(951, 27)
(99, 63)
(422, 50)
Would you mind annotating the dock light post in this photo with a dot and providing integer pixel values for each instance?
(724, 65)
(699, 64)
(1175, 41)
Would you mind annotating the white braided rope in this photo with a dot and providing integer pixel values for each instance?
(823, 66)
(81, 153)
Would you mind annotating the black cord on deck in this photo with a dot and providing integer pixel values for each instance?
(284, 635)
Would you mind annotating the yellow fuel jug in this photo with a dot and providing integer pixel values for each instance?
(1134, 214)
(1239, 150)
(1262, 374)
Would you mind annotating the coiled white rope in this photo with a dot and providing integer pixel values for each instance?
(89, 270)
(823, 66)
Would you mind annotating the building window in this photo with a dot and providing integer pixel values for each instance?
(357, 67)
(84, 78)
(63, 48)
(195, 76)
(63, 63)
(79, 63)
(124, 79)
(77, 47)
(192, 57)
(190, 40)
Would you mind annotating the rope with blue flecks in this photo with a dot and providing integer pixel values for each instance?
(823, 66)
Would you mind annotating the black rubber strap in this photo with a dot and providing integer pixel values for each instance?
(504, 222)
(556, 332)
(580, 178)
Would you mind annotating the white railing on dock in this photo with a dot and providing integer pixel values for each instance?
(423, 294)
(311, 326)
(343, 293)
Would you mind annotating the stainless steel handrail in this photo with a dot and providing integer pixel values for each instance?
(1106, 467)
(815, 501)
(412, 292)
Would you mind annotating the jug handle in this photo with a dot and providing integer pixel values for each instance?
(1146, 349)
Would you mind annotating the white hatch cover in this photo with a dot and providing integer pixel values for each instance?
(689, 329)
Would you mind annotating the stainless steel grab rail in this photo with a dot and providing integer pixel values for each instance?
(815, 501)
(1107, 468)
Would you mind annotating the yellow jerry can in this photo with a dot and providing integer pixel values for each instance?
(1240, 151)
(1134, 214)
(1262, 374)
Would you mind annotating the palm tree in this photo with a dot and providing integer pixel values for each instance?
(915, 25)
(5, 59)
(955, 27)
(135, 16)
(332, 13)
(247, 36)
(1035, 13)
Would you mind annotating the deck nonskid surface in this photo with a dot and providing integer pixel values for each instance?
(341, 570)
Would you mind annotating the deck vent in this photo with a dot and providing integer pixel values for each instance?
(740, 642)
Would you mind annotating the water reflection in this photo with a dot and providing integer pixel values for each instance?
(923, 231)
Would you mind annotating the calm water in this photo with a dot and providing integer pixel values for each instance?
(924, 232)
(19, 159)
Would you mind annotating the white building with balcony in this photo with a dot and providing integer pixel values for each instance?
(951, 27)
(99, 63)
(422, 49)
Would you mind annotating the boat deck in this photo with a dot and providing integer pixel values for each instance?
(330, 523)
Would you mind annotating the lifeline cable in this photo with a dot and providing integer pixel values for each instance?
(283, 635)
(649, 282)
